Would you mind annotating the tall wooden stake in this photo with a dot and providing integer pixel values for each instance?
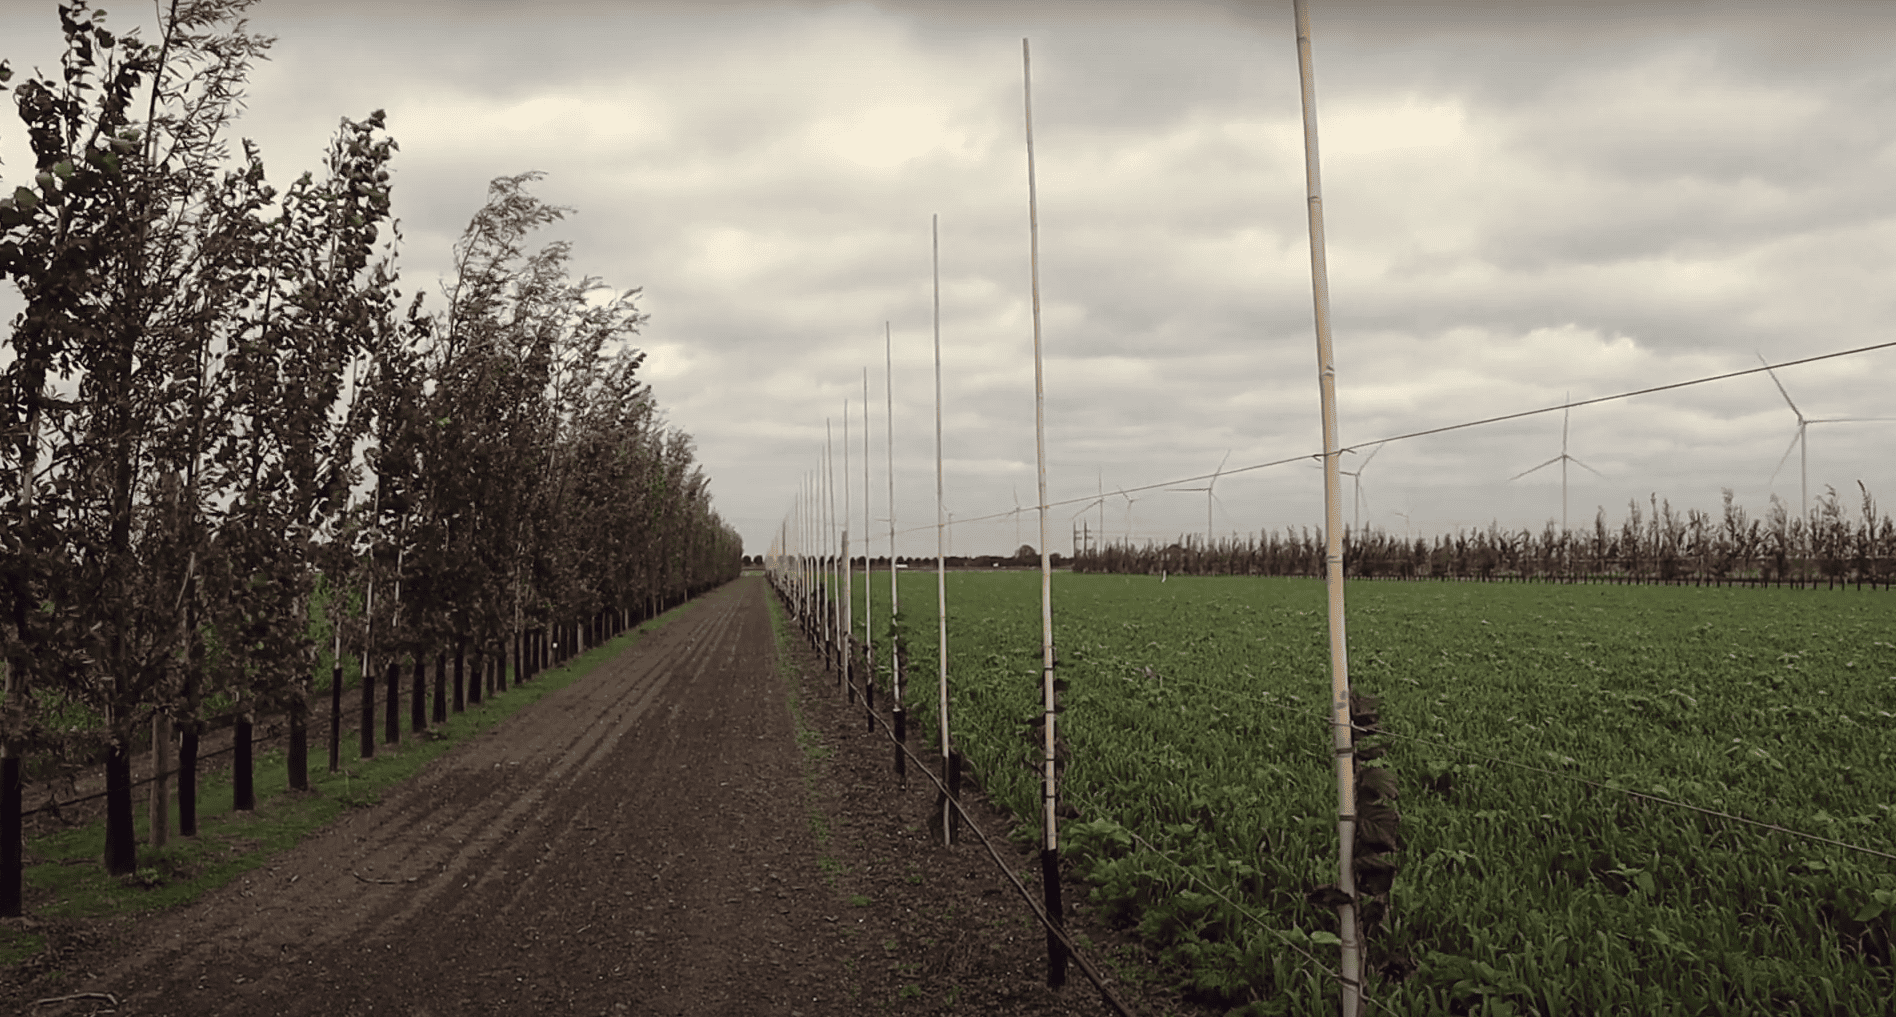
(897, 712)
(941, 559)
(1342, 739)
(868, 612)
(1050, 778)
(843, 563)
(832, 610)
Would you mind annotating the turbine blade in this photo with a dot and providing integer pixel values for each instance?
(1542, 466)
(1780, 388)
(1371, 455)
(1848, 420)
(1787, 454)
(1587, 468)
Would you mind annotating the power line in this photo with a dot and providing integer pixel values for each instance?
(1455, 427)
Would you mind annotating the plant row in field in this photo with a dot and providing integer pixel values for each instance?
(1196, 716)
(1658, 544)
(216, 421)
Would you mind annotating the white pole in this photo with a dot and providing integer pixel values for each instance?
(898, 712)
(941, 559)
(1049, 788)
(848, 604)
(868, 611)
(832, 613)
(1343, 742)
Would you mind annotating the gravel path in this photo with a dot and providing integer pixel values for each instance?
(650, 840)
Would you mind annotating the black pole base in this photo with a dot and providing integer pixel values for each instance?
(1056, 950)
(11, 876)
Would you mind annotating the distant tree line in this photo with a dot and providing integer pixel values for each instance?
(1834, 545)
(217, 424)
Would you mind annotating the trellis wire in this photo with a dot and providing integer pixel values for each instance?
(1557, 407)
(1054, 929)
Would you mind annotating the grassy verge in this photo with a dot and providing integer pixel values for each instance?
(231, 843)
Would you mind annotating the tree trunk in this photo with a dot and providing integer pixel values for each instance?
(297, 757)
(460, 675)
(476, 676)
(441, 688)
(418, 696)
(121, 848)
(335, 717)
(392, 720)
(243, 788)
(368, 710)
(159, 823)
(188, 780)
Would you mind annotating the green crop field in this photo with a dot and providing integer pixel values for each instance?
(1517, 891)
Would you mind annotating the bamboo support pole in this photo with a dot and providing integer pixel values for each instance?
(1350, 967)
(897, 711)
(1050, 781)
(831, 610)
(847, 603)
(868, 611)
(941, 558)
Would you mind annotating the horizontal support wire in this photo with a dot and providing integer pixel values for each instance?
(1561, 407)
(1086, 966)
(1773, 827)
(1214, 891)
(56, 806)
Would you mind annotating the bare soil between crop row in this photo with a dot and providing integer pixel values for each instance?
(649, 840)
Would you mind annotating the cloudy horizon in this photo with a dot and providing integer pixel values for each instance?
(1525, 203)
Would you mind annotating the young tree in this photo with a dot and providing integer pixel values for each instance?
(115, 315)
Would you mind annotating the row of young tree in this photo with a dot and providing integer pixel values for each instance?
(1655, 543)
(213, 405)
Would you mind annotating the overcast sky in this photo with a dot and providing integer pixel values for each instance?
(1524, 200)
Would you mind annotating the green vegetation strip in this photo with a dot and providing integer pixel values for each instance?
(231, 843)
(1517, 893)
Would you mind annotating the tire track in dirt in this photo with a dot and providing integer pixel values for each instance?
(586, 856)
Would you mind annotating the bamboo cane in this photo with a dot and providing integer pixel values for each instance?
(1049, 793)
(832, 610)
(868, 611)
(1351, 960)
(941, 559)
(897, 711)
(847, 605)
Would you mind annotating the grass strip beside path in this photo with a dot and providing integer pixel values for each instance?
(230, 843)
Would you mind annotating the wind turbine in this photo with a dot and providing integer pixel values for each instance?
(1797, 440)
(1129, 500)
(1088, 507)
(1016, 515)
(1356, 476)
(1563, 459)
(1209, 495)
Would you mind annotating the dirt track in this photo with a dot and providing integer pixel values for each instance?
(649, 840)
